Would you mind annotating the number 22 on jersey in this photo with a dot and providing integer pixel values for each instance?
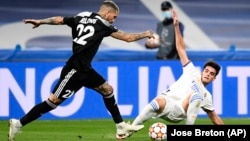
(84, 32)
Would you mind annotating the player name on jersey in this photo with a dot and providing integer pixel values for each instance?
(88, 20)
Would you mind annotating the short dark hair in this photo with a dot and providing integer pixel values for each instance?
(112, 4)
(166, 5)
(213, 65)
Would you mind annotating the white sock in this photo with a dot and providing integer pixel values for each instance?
(148, 112)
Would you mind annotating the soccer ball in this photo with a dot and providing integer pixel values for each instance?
(158, 132)
(153, 42)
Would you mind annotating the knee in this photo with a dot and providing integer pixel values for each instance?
(105, 89)
(161, 102)
(53, 99)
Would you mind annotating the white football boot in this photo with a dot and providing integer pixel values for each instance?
(124, 130)
(14, 128)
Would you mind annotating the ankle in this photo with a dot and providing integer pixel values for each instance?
(19, 124)
(120, 123)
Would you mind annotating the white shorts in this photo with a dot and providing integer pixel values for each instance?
(173, 111)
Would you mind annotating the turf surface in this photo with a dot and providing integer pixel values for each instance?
(85, 130)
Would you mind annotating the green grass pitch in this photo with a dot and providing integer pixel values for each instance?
(86, 130)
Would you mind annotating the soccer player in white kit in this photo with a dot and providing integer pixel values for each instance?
(184, 99)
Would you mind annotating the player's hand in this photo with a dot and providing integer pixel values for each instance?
(151, 34)
(36, 23)
(175, 17)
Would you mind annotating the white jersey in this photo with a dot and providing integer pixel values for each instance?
(188, 83)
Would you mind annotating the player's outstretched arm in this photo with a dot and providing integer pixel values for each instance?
(130, 37)
(37, 22)
(215, 119)
(180, 45)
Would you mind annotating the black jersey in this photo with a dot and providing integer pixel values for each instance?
(88, 31)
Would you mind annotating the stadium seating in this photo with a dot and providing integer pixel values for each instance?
(224, 22)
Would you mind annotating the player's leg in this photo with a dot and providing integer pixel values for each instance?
(36, 112)
(51, 103)
(155, 107)
(109, 100)
(123, 129)
(151, 110)
(100, 85)
(63, 90)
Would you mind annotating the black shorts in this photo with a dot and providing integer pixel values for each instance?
(72, 80)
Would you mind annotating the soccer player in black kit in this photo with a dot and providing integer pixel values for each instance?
(88, 31)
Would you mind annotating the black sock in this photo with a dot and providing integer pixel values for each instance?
(112, 107)
(36, 112)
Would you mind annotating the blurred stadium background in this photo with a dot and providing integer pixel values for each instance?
(209, 25)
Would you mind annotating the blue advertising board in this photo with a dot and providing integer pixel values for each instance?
(135, 83)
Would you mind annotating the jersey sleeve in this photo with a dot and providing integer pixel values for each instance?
(190, 68)
(112, 29)
(69, 21)
(194, 107)
(207, 104)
